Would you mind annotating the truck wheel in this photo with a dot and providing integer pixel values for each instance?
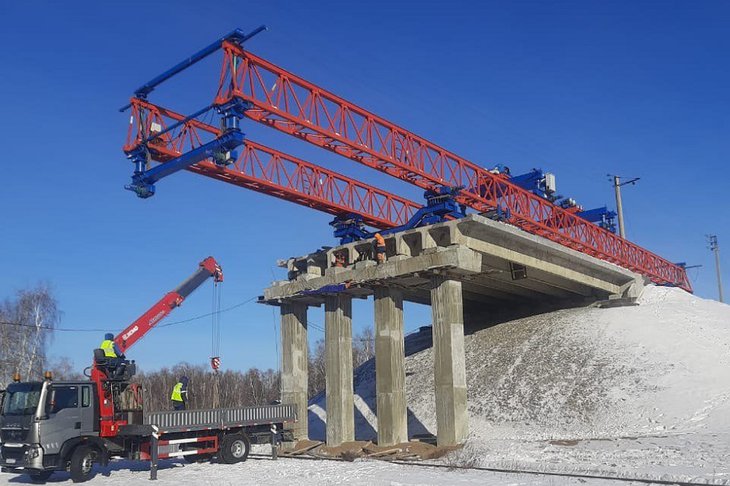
(235, 448)
(82, 462)
(40, 476)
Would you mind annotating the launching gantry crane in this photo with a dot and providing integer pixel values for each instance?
(253, 88)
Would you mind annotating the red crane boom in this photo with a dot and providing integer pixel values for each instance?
(144, 323)
(295, 106)
(110, 422)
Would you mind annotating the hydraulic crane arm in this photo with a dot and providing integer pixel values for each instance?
(136, 330)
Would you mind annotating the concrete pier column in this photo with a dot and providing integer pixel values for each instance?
(338, 369)
(390, 373)
(295, 364)
(449, 368)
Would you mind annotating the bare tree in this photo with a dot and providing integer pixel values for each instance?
(363, 349)
(63, 369)
(235, 388)
(316, 369)
(28, 321)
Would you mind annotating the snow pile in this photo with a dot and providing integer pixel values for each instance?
(659, 368)
(599, 373)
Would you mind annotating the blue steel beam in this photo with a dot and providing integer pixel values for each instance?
(143, 182)
(237, 36)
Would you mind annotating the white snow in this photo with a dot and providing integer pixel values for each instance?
(641, 390)
(264, 471)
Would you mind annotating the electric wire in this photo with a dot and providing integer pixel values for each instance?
(183, 321)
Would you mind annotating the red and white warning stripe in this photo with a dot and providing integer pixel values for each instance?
(210, 448)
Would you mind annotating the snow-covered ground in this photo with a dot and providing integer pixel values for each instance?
(641, 390)
(264, 471)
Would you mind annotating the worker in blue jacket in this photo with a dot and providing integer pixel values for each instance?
(179, 395)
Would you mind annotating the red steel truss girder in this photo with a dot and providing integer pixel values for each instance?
(270, 171)
(295, 106)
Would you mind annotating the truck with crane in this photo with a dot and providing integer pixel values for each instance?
(48, 425)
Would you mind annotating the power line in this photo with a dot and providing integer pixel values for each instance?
(68, 329)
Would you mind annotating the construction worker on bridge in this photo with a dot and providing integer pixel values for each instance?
(179, 395)
(379, 248)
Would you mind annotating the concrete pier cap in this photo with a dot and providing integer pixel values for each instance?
(495, 261)
(473, 266)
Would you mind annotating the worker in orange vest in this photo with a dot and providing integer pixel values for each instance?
(379, 248)
(339, 259)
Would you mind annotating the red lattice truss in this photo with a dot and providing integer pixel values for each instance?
(292, 105)
(269, 171)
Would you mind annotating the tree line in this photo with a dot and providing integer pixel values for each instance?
(231, 388)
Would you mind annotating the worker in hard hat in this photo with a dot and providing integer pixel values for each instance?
(114, 357)
(379, 248)
(111, 350)
(339, 259)
(179, 395)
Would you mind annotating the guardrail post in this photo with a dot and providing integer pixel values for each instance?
(154, 452)
(274, 443)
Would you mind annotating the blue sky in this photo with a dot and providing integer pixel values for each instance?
(579, 88)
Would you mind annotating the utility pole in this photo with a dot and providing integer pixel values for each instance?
(715, 248)
(619, 206)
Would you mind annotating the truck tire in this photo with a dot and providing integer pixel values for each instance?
(235, 448)
(82, 463)
(40, 476)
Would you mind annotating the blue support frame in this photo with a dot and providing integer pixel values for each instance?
(603, 217)
(221, 150)
(440, 206)
(143, 182)
(534, 181)
(237, 36)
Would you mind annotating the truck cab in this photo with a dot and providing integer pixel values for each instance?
(41, 423)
